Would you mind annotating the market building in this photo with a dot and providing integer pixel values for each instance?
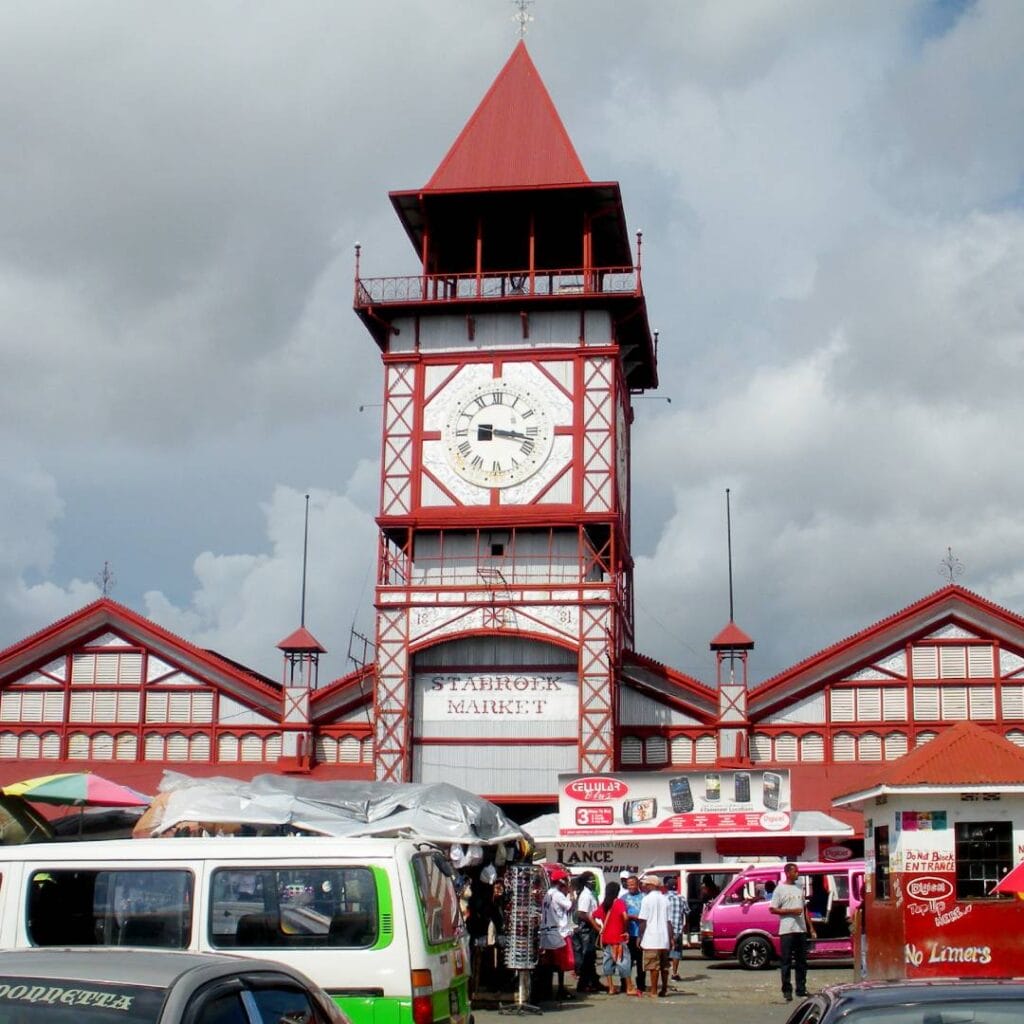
(505, 626)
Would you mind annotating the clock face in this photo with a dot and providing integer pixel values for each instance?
(497, 433)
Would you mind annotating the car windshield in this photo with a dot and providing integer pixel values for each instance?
(66, 1001)
(996, 1011)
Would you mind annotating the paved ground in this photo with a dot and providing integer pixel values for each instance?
(716, 992)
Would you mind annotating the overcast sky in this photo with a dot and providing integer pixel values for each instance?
(832, 203)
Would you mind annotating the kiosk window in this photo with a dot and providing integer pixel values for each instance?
(881, 862)
(984, 853)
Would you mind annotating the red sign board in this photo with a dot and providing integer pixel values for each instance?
(592, 817)
(596, 789)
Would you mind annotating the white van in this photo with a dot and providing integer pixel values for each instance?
(375, 922)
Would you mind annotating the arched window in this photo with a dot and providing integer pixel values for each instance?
(632, 750)
(844, 747)
(656, 749)
(869, 748)
(682, 750)
(895, 746)
(812, 747)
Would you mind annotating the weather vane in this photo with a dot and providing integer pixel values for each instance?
(522, 15)
(950, 566)
(106, 580)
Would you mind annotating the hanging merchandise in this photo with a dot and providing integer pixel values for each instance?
(525, 885)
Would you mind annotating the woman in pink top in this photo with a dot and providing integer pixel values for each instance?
(612, 918)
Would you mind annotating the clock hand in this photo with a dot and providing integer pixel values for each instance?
(512, 435)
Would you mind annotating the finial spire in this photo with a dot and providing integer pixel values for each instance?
(106, 580)
(522, 16)
(305, 550)
(950, 566)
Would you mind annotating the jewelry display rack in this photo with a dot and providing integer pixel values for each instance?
(524, 895)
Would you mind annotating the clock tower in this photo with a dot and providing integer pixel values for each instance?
(504, 588)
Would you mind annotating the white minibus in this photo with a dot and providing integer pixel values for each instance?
(375, 922)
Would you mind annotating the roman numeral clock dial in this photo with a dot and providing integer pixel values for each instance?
(497, 434)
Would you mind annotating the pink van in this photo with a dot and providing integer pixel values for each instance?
(737, 923)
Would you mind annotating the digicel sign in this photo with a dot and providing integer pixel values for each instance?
(596, 789)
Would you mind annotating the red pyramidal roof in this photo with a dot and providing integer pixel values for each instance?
(515, 138)
(731, 637)
(964, 755)
(301, 640)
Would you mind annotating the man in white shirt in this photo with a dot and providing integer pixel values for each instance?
(556, 929)
(585, 937)
(795, 928)
(655, 934)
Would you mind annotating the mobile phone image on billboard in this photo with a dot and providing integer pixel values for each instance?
(643, 809)
(682, 797)
(741, 787)
(772, 785)
(712, 786)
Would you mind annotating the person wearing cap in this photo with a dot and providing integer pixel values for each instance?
(556, 930)
(655, 934)
(632, 897)
(678, 908)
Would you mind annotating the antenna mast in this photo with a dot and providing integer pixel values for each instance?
(728, 534)
(305, 551)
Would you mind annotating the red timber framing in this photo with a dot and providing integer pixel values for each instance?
(528, 292)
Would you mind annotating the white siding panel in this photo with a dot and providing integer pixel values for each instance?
(982, 700)
(954, 703)
(894, 704)
(1013, 701)
(925, 662)
(812, 747)
(495, 768)
(842, 704)
(869, 704)
(953, 662)
(895, 746)
(809, 711)
(981, 662)
(926, 703)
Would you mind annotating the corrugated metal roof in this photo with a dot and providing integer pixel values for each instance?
(966, 754)
(514, 138)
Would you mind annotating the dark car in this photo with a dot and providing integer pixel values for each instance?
(136, 986)
(946, 1001)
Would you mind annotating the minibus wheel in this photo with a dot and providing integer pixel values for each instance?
(754, 953)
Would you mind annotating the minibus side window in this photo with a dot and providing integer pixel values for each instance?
(102, 907)
(293, 907)
(439, 903)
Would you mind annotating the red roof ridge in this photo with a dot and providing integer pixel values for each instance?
(514, 139)
(935, 598)
(966, 754)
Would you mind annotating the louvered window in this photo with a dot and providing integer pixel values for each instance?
(869, 704)
(953, 662)
(251, 748)
(812, 747)
(199, 747)
(273, 747)
(326, 750)
(926, 703)
(126, 748)
(10, 707)
(1016, 736)
(78, 747)
(8, 745)
(154, 747)
(632, 750)
(104, 706)
(349, 750)
(894, 704)
(925, 662)
(51, 746)
(981, 662)
(656, 750)
(367, 757)
(32, 707)
(954, 703)
(869, 747)
(924, 737)
(53, 706)
(760, 747)
(844, 747)
(785, 747)
(982, 701)
(103, 746)
(156, 706)
(842, 703)
(895, 746)
(682, 750)
(1013, 702)
(707, 750)
(227, 748)
(202, 707)
(177, 747)
(30, 746)
(179, 708)
(107, 669)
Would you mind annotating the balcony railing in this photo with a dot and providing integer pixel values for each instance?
(371, 291)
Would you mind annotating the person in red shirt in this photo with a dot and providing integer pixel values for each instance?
(613, 920)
